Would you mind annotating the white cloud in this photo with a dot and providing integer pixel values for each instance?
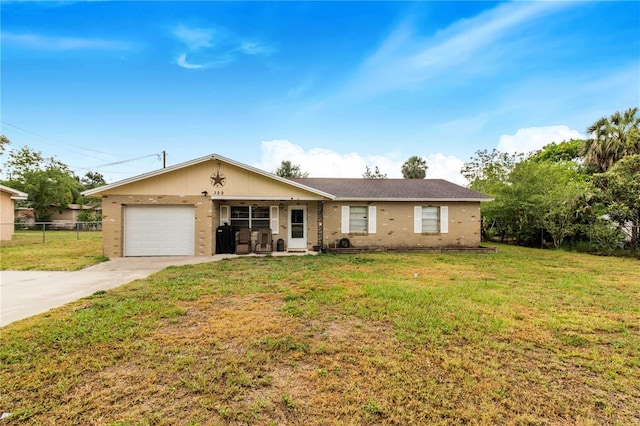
(254, 48)
(182, 61)
(54, 43)
(321, 162)
(533, 138)
(445, 167)
(213, 47)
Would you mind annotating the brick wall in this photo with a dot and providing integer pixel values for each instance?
(113, 224)
(394, 223)
(395, 226)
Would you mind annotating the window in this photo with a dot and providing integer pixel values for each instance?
(358, 219)
(431, 219)
(254, 217)
(259, 218)
(240, 217)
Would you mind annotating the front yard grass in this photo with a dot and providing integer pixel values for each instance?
(60, 251)
(519, 337)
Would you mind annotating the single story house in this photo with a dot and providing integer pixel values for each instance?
(71, 212)
(67, 217)
(179, 210)
(8, 196)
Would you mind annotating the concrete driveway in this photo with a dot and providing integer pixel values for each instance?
(27, 293)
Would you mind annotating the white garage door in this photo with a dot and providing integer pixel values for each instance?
(159, 230)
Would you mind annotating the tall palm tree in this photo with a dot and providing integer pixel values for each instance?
(613, 138)
(414, 168)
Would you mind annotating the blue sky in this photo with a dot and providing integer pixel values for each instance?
(332, 86)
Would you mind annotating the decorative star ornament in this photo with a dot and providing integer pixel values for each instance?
(218, 179)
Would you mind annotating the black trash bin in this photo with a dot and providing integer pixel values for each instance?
(225, 239)
(280, 245)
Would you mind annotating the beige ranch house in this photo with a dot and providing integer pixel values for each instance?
(8, 197)
(183, 209)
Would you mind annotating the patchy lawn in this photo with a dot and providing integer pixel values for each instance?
(520, 337)
(60, 251)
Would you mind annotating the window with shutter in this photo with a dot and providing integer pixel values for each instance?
(431, 219)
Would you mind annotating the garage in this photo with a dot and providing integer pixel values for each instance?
(159, 230)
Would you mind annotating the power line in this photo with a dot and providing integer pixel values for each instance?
(59, 144)
(159, 156)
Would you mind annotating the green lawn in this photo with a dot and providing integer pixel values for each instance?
(519, 337)
(55, 251)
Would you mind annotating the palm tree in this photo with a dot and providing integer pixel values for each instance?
(613, 138)
(414, 168)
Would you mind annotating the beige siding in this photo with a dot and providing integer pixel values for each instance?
(195, 179)
(394, 226)
(66, 215)
(6, 216)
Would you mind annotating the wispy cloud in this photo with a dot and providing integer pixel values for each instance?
(182, 61)
(255, 48)
(61, 43)
(194, 38)
(405, 59)
(208, 47)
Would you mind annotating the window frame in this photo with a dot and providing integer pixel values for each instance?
(252, 217)
(368, 216)
(442, 226)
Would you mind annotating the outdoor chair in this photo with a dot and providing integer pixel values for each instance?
(244, 241)
(265, 241)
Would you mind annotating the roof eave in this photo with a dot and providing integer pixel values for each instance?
(273, 176)
(428, 199)
(214, 157)
(14, 193)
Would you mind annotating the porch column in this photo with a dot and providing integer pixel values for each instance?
(320, 223)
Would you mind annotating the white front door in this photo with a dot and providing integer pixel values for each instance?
(297, 228)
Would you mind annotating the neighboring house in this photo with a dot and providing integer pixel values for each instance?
(175, 211)
(67, 218)
(8, 196)
(70, 213)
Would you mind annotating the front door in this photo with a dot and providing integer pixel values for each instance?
(297, 228)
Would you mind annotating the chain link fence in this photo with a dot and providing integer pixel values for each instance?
(39, 232)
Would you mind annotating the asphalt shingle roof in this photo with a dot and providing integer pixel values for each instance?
(392, 189)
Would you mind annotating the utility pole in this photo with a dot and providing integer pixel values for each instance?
(164, 159)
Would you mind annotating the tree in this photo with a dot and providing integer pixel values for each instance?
(375, 174)
(489, 172)
(414, 168)
(288, 170)
(89, 181)
(489, 168)
(613, 138)
(92, 180)
(22, 161)
(564, 151)
(47, 181)
(4, 141)
(620, 191)
(567, 200)
(531, 196)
